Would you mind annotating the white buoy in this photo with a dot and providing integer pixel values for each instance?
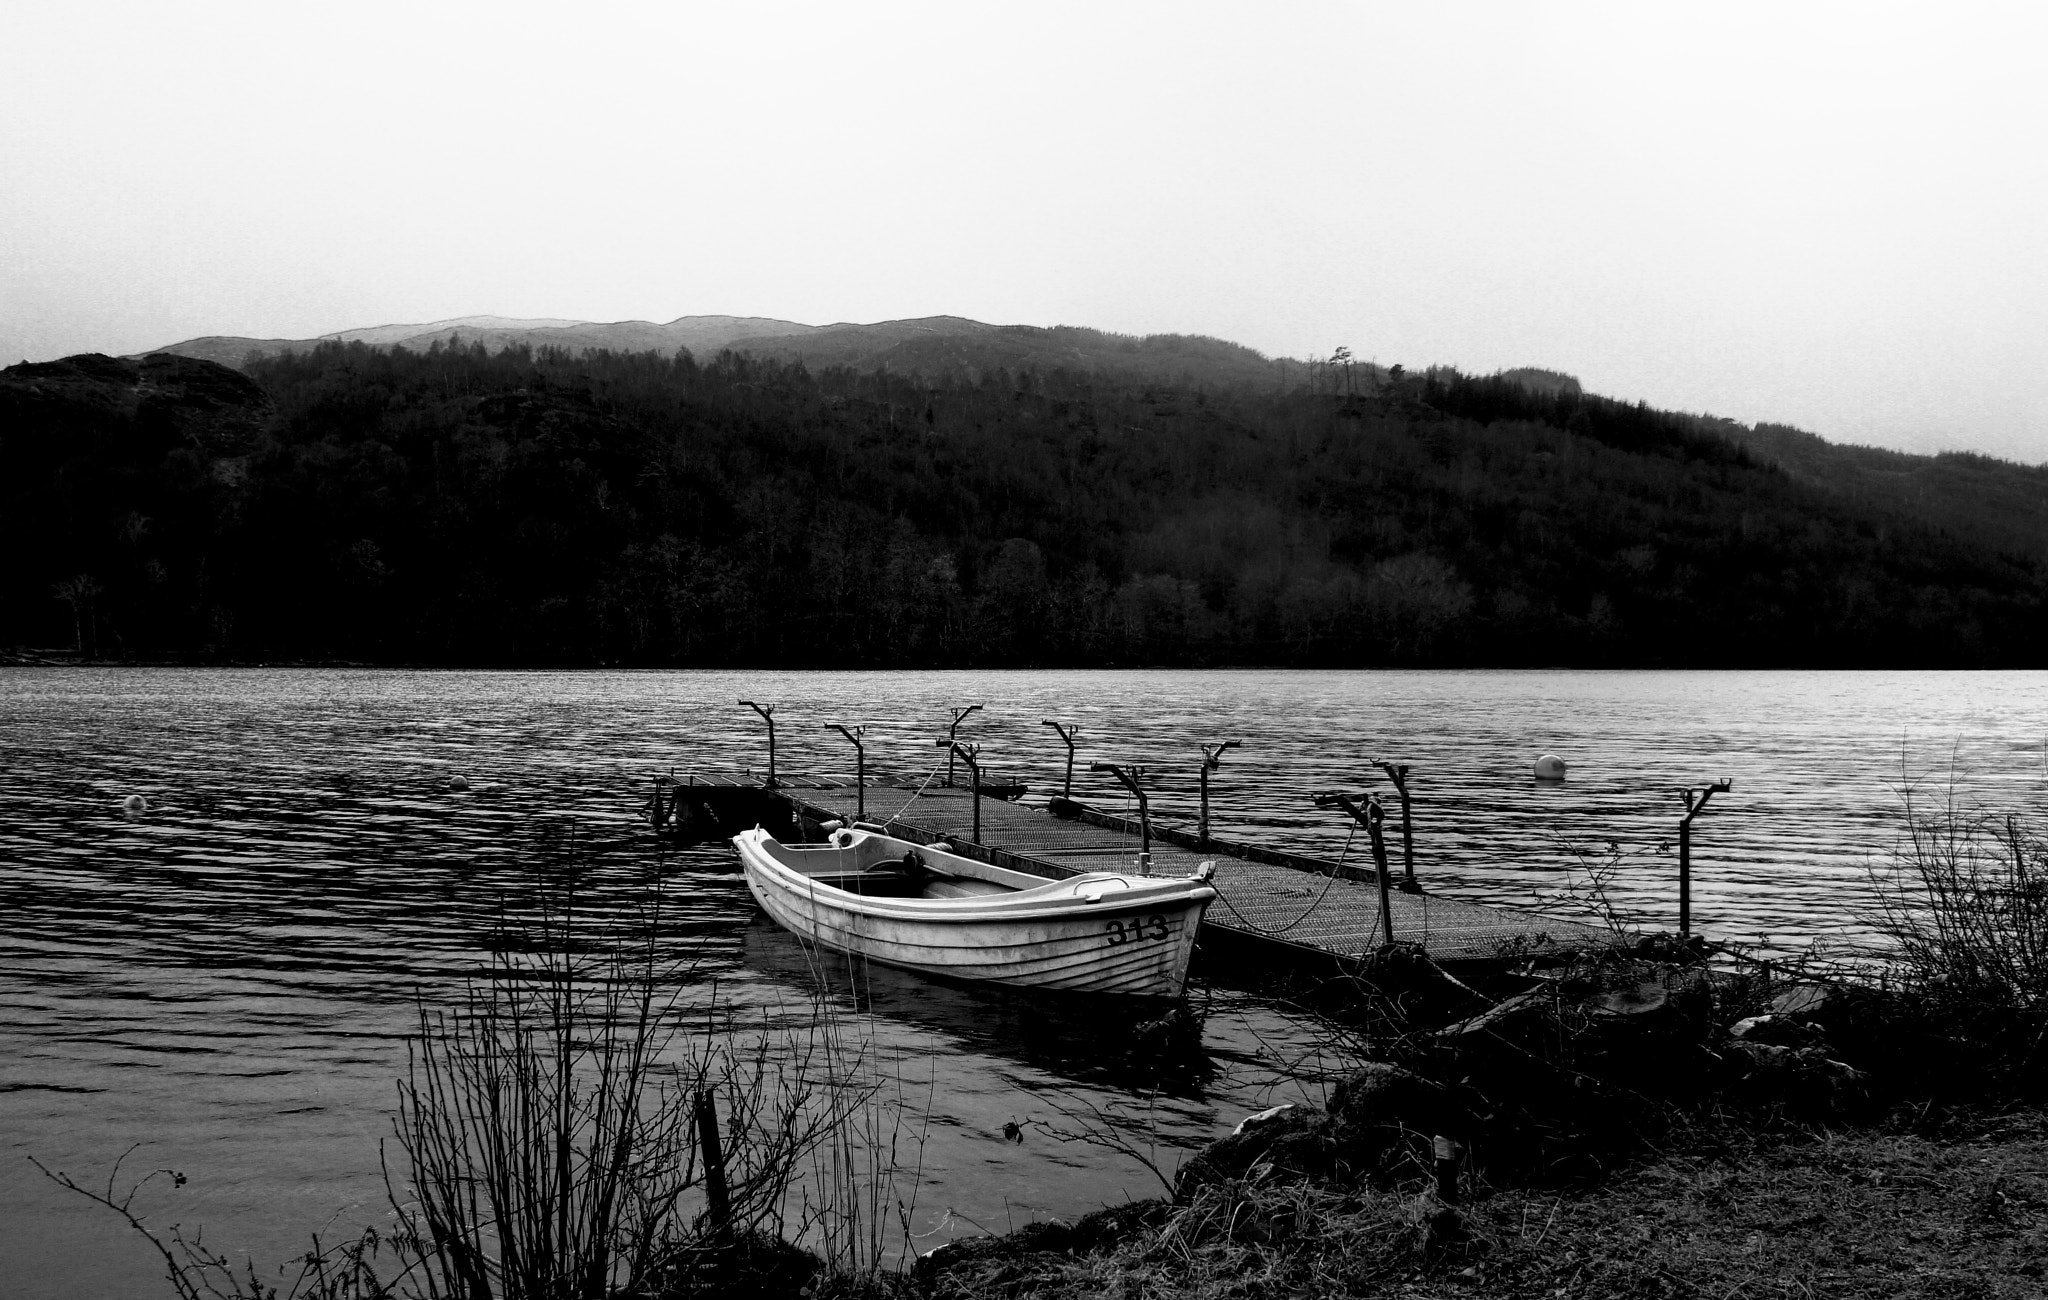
(458, 782)
(1550, 768)
(135, 805)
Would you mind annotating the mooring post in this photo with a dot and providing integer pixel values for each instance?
(1212, 758)
(718, 1196)
(1398, 774)
(1695, 803)
(658, 811)
(1374, 816)
(767, 716)
(952, 734)
(860, 767)
(967, 755)
(1067, 734)
(1447, 1152)
(1370, 817)
(1130, 776)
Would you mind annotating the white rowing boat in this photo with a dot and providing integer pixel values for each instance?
(925, 909)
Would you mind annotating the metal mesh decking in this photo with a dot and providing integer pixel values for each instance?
(1334, 913)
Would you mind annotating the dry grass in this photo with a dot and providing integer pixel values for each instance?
(1861, 1216)
(1964, 906)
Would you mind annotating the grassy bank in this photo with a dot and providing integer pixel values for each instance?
(1892, 1212)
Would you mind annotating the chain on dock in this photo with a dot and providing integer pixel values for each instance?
(1336, 873)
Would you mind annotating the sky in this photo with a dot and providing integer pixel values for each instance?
(1827, 215)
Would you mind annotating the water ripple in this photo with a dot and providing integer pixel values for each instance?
(231, 974)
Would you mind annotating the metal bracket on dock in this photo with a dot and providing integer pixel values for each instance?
(1067, 734)
(1398, 774)
(663, 805)
(1695, 803)
(767, 716)
(1212, 758)
(952, 735)
(1370, 817)
(1129, 777)
(860, 766)
(967, 755)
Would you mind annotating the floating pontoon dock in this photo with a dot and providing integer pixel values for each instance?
(1289, 906)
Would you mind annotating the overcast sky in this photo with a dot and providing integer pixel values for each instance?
(1826, 215)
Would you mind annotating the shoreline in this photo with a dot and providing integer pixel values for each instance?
(1895, 1210)
(18, 658)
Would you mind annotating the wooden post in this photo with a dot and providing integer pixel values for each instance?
(1447, 1153)
(767, 716)
(1695, 804)
(716, 1193)
(1067, 734)
(659, 810)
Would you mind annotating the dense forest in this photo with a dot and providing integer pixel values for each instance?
(463, 506)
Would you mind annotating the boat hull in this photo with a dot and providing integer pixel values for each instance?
(1099, 933)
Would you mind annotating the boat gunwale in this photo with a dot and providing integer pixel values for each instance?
(1055, 901)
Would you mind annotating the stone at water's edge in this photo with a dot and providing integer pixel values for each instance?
(1804, 1000)
(1098, 1231)
(1778, 1030)
(1372, 1117)
(1800, 1081)
(1253, 1121)
(1384, 1101)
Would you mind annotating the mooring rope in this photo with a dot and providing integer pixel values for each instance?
(1335, 872)
(913, 795)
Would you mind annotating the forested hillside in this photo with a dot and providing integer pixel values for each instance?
(463, 506)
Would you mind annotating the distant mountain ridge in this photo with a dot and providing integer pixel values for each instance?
(930, 344)
(700, 334)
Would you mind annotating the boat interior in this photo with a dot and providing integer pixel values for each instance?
(864, 860)
(874, 865)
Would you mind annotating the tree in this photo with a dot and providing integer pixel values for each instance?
(79, 593)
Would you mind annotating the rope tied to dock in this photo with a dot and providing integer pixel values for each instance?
(1336, 872)
(891, 820)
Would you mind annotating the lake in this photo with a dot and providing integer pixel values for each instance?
(230, 975)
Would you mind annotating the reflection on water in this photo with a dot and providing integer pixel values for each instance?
(229, 974)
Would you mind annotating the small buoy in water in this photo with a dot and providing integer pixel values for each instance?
(1550, 768)
(135, 805)
(458, 782)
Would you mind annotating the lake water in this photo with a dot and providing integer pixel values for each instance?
(229, 976)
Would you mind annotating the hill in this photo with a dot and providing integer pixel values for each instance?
(706, 335)
(930, 345)
(1999, 503)
(909, 497)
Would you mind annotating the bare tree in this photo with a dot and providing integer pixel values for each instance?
(79, 593)
(1342, 358)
